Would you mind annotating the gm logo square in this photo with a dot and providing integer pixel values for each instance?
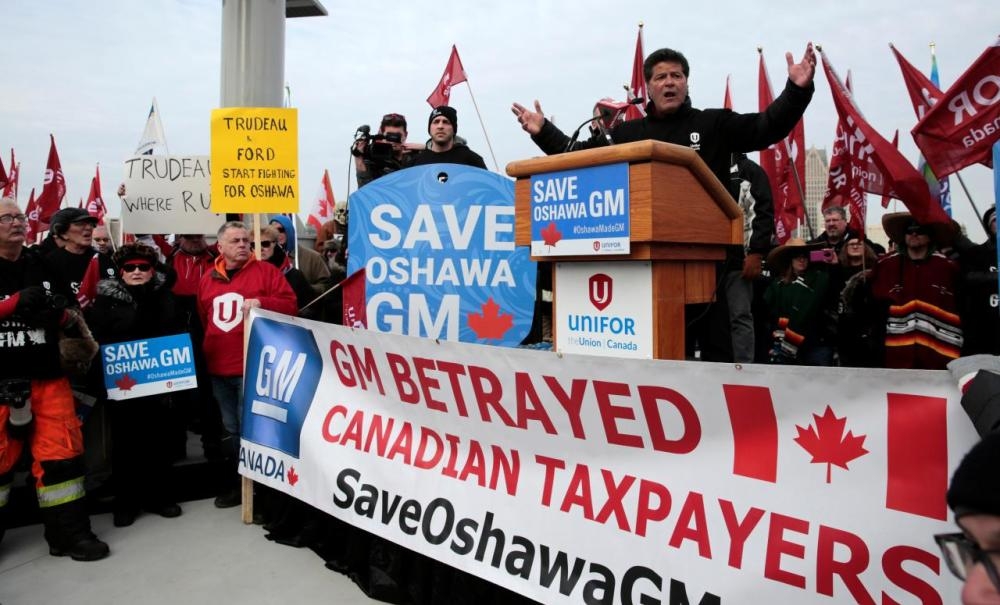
(282, 372)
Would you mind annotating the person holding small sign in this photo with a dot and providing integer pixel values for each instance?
(136, 305)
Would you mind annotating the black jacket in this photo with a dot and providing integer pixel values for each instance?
(458, 154)
(714, 133)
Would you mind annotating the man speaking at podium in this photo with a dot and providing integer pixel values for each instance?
(714, 133)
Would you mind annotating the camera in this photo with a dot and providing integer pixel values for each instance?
(826, 255)
(377, 147)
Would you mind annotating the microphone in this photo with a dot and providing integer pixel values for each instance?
(609, 112)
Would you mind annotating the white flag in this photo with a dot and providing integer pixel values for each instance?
(153, 134)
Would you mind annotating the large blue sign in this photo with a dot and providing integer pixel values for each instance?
(283, 368)
(580, 212)
(437, 243)
(148, 367)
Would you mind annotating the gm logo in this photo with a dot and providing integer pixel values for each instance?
(600, 289)
(283, 368)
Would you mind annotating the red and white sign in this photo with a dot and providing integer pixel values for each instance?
(574, 479)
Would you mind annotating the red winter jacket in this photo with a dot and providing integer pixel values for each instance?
(220, 307)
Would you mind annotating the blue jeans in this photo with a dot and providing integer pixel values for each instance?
(228, 391)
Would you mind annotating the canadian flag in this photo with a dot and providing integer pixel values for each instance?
(323, 205)
(453, 74)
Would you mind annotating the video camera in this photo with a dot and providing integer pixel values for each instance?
(377, 147)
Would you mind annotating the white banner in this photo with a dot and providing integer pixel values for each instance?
(577, 479)
(168, 194)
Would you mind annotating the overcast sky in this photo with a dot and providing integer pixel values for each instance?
(87, 71)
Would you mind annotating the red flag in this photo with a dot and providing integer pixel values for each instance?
(842, 188)
(923, 92)
(3, 176)
(323, 205)
(727, 100)
(33, 227)
(788, 203)
(453, 74)
(355, 300)
(895, 143)
(54, 188)
(960, 130)
(637, 88)
(881, 169)
(95, 201)
(10, 187)
(88, 285)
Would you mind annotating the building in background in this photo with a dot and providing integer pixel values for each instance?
(816, 176)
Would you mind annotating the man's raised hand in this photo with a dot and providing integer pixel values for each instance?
(801, 73)
(531, 121)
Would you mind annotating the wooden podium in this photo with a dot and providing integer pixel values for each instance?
(681, 220)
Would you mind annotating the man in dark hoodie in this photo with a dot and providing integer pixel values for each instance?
(714, 133)
(443, 147)
(979, 281)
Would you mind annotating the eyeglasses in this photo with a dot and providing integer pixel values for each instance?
(6, 219)
(264, 243)
(961, 554)
(132, 267)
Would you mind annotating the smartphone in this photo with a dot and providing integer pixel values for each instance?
(825, 255)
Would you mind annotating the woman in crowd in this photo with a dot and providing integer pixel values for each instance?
(795, 299)
(138, 304)
(859, 326)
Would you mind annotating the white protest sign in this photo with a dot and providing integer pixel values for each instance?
(168, 194)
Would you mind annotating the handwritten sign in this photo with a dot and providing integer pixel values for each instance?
(168, 194)
(256, 157)
(147, 367)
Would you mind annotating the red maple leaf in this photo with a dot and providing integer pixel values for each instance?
(827, 442)
(492, 323)
(551, 235)
(293, 477)
(126, 383)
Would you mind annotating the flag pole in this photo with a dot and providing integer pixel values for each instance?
(479, 115)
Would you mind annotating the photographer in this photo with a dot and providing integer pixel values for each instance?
(378, 155)
(36, 404)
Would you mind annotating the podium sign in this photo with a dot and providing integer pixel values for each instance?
(584, 211)
(604, 309)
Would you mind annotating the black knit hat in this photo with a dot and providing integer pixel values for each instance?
(446, 111)
(975, 486)
(988, 216)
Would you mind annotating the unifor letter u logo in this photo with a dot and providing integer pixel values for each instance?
(600, 290)
(227, 311)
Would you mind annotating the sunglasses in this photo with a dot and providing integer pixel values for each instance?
(264, 243)
(131, 267)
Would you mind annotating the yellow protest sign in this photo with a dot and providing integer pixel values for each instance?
(255, 160)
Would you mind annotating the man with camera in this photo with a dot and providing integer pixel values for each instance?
(36, 403)
(379, 154)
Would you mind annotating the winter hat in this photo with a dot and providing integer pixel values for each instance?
(975, 486)
(447, 112)
(130, 252)
(286, 224)
(989, 215)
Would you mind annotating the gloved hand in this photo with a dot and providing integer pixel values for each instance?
(751, 266)
(31, 299)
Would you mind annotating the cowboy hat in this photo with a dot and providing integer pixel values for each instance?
(896, 224)
(782, 256)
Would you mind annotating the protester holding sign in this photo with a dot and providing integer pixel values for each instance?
(137, 305)
(236, 284)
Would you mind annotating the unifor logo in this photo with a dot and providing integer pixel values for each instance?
(695, 137)
(597, 246)
(227, 311)
(601, 290)
(283, 369)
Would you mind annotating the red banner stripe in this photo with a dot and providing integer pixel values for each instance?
(755, 431)
(917, 443)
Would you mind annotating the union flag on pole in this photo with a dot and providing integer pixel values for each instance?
(637, 88)
(3, 176)
(727, 99)
(32, 226)
(10, 187)
(453, 74)
(842, 188)
(54, 188)
(960, 130)
(95, 201)
(355, 307)
(323, 205)
(883, 170)
(779, 161)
